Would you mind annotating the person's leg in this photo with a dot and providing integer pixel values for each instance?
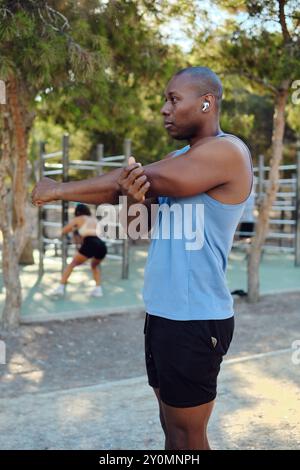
(97, 291)
(95, 267)
(187, 363)
(187, 427)
(76, 261)
(162, 418)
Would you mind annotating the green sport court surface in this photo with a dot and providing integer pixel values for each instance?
(277, 274)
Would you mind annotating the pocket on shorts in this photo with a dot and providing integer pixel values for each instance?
(221, 333)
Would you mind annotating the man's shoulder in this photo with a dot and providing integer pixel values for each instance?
(225, 154)
(229, 146)
(237, 141)
(220, 147)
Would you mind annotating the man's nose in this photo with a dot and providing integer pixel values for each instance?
(165, 111)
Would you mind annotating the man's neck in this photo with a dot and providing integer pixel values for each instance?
(209, 131)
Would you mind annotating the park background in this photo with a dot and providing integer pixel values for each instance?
(96, 71)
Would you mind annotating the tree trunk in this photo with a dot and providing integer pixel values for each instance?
(262, 225)
(10, 314)
(13, 297)
(15, 94)
(13, 191)
(26, 257)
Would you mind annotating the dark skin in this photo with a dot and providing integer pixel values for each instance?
(219, 167)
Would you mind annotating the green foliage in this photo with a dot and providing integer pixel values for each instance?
(37, 45)
(256, 52)
(293, 117)
(99, 68)
(123, 98)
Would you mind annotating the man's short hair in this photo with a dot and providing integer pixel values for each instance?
(206, 80)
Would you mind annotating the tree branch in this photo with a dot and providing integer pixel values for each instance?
(53, 16)
(251, 77)
(282, 20)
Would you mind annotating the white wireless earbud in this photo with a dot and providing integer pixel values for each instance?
(205, 106)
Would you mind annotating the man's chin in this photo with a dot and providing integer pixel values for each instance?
(178, 137)
(172, 133)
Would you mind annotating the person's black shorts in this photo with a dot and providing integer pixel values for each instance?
(245, 229)
(93, 247)
(183, 358)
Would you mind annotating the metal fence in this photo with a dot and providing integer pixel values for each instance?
(52, 217)
(284, 229)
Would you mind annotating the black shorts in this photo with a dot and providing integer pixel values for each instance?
(183, 358)
(93, 247)
(247, 227)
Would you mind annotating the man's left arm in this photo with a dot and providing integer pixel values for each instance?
(198, 170)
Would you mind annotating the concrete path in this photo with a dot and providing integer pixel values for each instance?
(258, 407)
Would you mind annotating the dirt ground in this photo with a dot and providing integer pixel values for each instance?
(81, 384)
(75, 353)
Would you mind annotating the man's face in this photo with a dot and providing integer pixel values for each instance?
(182, 108)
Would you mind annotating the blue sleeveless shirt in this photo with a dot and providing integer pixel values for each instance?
(187, 259)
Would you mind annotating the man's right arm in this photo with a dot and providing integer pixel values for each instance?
(97, 190)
